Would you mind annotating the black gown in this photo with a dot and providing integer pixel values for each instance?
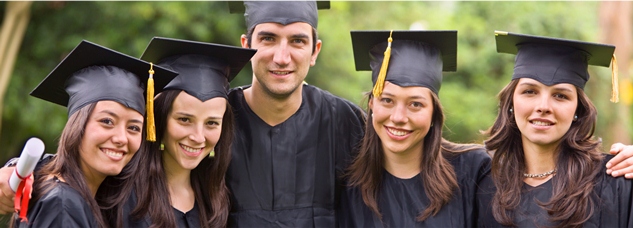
(400, 201)
(62, 206)
(287, 175)
(614, 203)
(190, 219)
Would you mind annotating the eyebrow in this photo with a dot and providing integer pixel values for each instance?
(189, 115)
(117, 116)
(295, 36)
(555, 88)
(410, 97)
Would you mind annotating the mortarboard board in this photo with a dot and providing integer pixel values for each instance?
(416, 58)
(92, 73)
(553, 60)
(282, 12)
(205, 69)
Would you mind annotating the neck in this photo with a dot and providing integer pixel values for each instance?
(538, 160)
(403, 165)
(93, 181)
(181, 193)
(270, 108)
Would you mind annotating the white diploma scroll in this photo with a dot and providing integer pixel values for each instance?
(31, 154)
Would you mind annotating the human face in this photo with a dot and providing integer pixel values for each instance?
(284, 56)
(543, 113)
(112, 136)
(402, 118)
(193, 129)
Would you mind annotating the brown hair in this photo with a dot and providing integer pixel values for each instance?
(67, 163)
(438, 175)
(577, 164)
(150, 184)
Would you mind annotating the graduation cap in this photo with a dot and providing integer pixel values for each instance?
(92, 73)
(405, 58)
(282, 12)
(205, 69)
(553, 60)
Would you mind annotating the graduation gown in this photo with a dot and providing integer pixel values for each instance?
(62, 206)
(613, 195)
(287, 175)
(190, 219)
(400, 201)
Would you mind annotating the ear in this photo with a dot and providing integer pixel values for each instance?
(315, 54)
(370, 103)
(244, 41)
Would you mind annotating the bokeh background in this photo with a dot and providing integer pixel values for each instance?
(36, 36)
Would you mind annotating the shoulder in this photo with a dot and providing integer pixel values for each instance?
(325, 99)
(61, 206)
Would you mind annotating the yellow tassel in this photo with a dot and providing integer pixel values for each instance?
(614, 81)
(382, 75)
(151, 128)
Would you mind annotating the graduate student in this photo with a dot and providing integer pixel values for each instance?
(548, 169)
(178, 180)
(103, 90)
(406, 174)
(292, 140)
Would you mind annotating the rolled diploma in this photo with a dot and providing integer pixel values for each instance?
(31, 154)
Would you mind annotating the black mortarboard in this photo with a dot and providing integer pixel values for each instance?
(205, 69)
(282, 12)
(92, 73)
(417, 58)
(552, 60)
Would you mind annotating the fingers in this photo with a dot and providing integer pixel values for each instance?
(616, 148)
(6, 194)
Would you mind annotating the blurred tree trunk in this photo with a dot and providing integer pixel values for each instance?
(16, 19)
(615, 24)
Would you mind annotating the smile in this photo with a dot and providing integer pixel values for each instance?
(541, 123)
(112, 153)
(190, 149)
(396, 132)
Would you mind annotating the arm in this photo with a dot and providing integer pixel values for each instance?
(622, 163)
(6, 194)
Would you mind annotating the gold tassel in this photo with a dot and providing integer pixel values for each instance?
(382, 75)
(151, 128)
(614, 81)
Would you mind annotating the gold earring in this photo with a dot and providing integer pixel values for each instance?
(212, 154)
(162, 146)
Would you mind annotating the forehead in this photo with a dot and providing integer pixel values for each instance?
(187, 103)
(114, 107)
(292, 28)
(407, 91)
(532, 82)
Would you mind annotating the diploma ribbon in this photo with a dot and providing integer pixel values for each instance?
(22, 196)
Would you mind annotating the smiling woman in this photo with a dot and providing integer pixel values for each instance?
(547, 168)
(104, 94)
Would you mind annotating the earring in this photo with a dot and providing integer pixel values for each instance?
(431, 124)
(212, 154)
(162, 147)
(575, 117)
(511, 111)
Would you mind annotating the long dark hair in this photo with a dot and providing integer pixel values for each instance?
(67, 163)
(149, 182)
(438, 175)
(577, 164)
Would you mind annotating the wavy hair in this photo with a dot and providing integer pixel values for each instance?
(578, 161)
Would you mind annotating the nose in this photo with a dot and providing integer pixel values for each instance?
(399, 114)
(196, 135)
(120, 137)
(544, 106)
(282, 55)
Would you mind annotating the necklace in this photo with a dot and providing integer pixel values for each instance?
(540, 175)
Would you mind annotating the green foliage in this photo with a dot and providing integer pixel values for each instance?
(468, 95)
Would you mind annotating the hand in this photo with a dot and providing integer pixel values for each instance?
(622, 163)
(6, 194)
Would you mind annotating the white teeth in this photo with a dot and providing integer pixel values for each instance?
(279, 72)
(397, 132)
(190, 149)
(113, 153)
(540, 123)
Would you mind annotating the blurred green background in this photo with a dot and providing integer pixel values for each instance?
(468, 95)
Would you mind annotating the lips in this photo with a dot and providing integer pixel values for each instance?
(113, 154)
(398, 134)
(191, 151)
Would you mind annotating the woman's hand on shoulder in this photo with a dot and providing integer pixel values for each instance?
(622, 163)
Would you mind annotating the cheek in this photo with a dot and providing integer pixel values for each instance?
(135, 142)
(213, 136)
